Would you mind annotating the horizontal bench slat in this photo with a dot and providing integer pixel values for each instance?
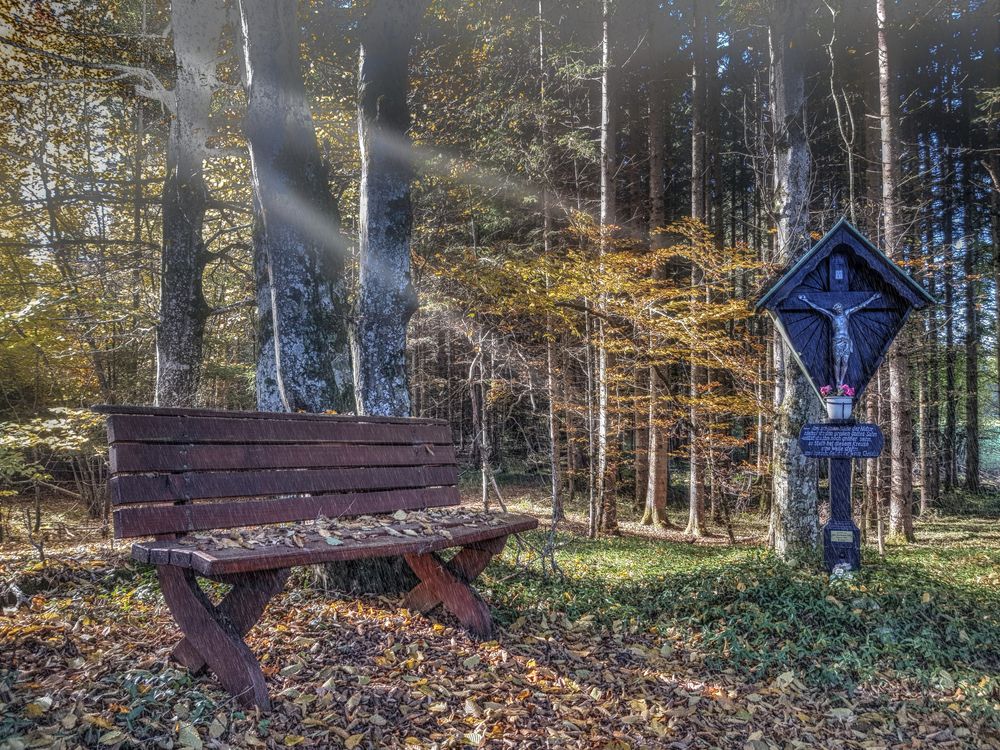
(147, 457)
(227, 414)
(142, 428)
(140, 488)
(229, 561)
(149, 520)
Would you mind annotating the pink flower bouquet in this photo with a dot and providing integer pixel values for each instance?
(841, 390)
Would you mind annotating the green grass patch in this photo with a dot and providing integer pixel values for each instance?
(926, 614)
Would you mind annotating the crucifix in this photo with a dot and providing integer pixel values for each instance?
(847, 283)
(837, 304)
(841, 344)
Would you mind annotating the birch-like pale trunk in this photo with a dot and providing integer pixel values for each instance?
(386, 298)
(696, 482)
(607, 469)
(197, 29)
(928, 416)
(901, 409)
(555, 478)
(304, 361)
(794, 514)
(993, 168)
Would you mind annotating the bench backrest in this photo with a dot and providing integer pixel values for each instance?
(181, 470)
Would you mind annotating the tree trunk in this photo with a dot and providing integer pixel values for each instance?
(929, 378)
(555, 479)
(304, 361)
(972, 483)
(386, 298)
(994, 172)
(696, 376)
(607, 469)
(794, 514)
(901, 496)
(658, 469)
(948, 451)
(197, 28)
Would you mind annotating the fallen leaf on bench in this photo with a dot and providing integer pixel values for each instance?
(333, 541)
(400, 515)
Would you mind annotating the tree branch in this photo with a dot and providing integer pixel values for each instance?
(148, 86)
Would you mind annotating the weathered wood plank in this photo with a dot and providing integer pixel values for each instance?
(138, 488)
(229, 561)
(214, 637)
(149, 520)
(466, 565)
(154, 457)
(242, 607)
(455, 594)
(228, 414)
(144, 428)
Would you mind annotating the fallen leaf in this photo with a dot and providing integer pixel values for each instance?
(187, 736)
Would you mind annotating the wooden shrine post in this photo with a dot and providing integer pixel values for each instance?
(839, 307)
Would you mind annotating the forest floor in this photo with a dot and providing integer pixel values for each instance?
(647, 640)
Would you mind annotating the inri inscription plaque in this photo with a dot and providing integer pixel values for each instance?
(819, 440)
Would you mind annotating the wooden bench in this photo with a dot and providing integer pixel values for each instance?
(316, 488)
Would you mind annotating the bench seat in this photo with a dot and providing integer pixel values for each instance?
(218, 556)
(244, 497)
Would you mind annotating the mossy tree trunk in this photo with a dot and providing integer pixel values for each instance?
(794, 514)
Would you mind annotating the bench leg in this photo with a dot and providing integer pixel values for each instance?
(449, 584)
(243, 607)
(213, 636)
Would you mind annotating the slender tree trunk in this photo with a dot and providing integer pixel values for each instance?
(928, 379)
(658, 470)
(901, 497)
(696, 375)
(934, 385)
(948, 457)
(386, 298)
(795, 518)
(197, 29)
(972, 483)
(555, 450)
(304, 359)
(607, 468)
(993, 167)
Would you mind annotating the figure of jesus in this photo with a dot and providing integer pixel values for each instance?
(842, 345)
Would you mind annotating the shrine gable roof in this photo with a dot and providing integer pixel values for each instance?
(845, 233)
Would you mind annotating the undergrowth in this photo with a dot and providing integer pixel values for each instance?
(926, 614)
